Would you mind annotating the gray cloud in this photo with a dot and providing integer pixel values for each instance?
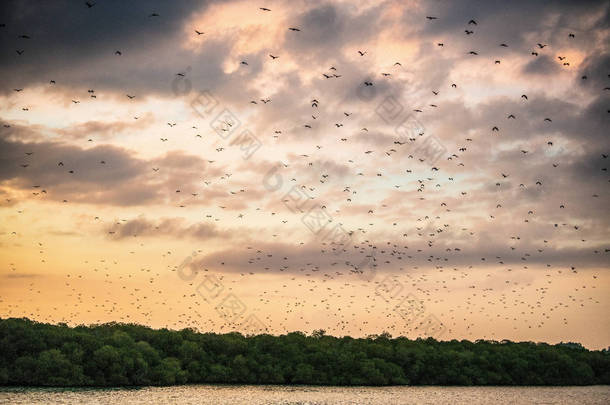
(397, 256)
(75, 45)
(22, 275)
(103, 174)
(541, 65)
(174, 227)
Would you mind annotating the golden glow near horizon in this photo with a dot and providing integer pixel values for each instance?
(351, 174)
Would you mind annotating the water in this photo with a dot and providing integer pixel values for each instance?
(274, 394)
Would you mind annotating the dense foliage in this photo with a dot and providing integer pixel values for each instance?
(33, 353)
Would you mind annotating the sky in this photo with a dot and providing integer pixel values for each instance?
(422, 168)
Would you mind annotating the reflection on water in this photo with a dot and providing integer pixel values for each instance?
(274, 394)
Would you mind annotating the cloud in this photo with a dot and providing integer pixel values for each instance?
(103, 174)
(174, 227)
(395, 256)
(22, 275)
(541, 65)
(335, 26)
(100, 130)
(75, 45)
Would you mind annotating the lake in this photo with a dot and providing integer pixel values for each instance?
(275, 394)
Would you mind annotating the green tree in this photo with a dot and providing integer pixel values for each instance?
(33, 353)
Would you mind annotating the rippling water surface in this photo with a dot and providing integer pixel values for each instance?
(272, 394)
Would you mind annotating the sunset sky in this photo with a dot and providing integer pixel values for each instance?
(425, 168)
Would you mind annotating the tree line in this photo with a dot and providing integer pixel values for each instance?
(117, 354)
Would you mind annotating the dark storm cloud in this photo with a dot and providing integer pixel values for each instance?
(75, 45)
